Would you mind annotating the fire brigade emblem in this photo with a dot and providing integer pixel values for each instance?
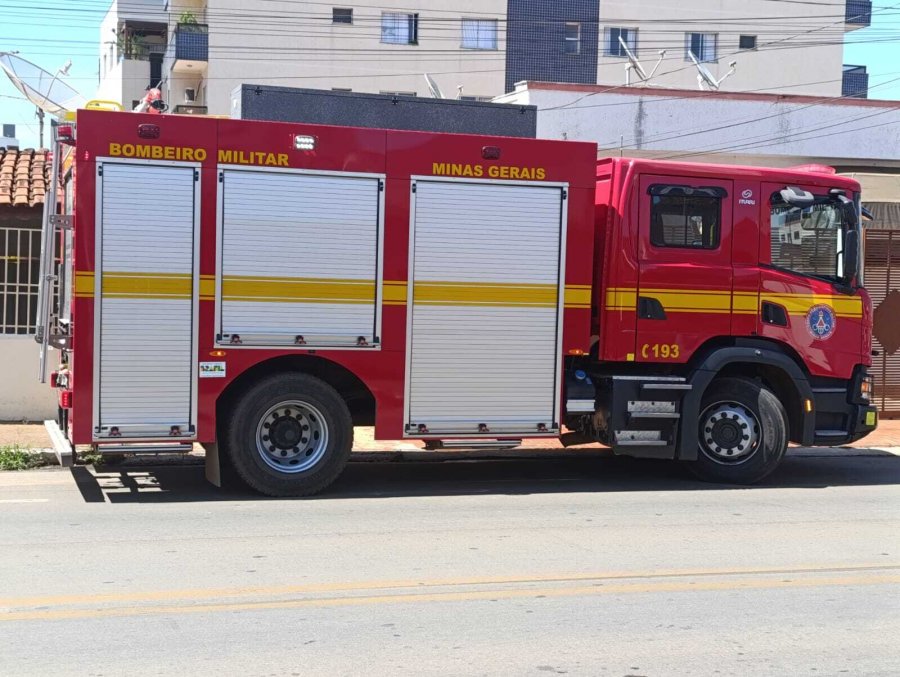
(821, 322)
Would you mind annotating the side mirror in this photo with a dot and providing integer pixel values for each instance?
(851, 255)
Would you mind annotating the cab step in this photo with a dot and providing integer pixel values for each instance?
(473, 445)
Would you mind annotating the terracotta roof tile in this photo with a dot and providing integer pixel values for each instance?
(24, 176)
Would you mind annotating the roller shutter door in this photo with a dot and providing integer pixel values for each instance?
(485, 317)
(299, 258)
(145, 373)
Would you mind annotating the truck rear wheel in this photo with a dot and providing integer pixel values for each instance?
(743, 432)
(289, 435)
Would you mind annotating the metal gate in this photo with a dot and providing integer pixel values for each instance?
(882, 271)
(145, 367)
(485, 304)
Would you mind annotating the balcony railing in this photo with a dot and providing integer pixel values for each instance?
(859, 13)
(855, 82)
(192, 42)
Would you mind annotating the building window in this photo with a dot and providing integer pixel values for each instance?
(400, 29)
(341, 15)
(573, 38)
(685, 217)
(612, 46)
(702, 46)
(747, 42)
(470, 97)
(479, 34)
(397, 93)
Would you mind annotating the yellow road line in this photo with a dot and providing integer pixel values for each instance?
(459, 596)
(660, 574)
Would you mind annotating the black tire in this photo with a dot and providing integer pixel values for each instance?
(743, 432)
(289, 404)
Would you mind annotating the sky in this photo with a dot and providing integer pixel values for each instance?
(49, 32)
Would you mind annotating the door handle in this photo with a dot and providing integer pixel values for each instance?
(774, 314)
(650, 308)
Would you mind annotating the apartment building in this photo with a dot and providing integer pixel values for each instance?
(789, 47)
(203, 49)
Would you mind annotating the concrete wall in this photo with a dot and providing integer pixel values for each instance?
(305, 49)
(717, 127)
(803, 54)
(21, 396)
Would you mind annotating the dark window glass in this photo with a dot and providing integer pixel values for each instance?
(747, 42)
(807, 240)
(340, 15)
(614, 47)
(685, 217)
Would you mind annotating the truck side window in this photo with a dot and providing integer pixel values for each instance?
(685, 217)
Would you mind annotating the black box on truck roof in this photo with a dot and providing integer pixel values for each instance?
(382, 111)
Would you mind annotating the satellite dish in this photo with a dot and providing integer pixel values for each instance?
(635, 65)
(705, 76)
(42, 88)
(433, 87)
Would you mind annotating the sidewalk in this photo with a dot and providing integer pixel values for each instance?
(34, 436)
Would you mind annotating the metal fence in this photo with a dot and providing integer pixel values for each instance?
(20, 253)
(883, 283)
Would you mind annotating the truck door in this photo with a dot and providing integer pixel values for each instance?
(146, 289)
(801, 304)
(684, 250)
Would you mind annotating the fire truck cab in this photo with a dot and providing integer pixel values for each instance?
(261, 288)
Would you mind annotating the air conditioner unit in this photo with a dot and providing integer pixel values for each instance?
(190, 95)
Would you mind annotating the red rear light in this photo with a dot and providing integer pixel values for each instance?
(65, 399)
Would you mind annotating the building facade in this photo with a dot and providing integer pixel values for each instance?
(133, 41)
(203, 49)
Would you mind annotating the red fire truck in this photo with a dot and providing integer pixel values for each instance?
(261, 288)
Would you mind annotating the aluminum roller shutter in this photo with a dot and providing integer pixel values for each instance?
(299, 257)
(146, 371)
(485, 316)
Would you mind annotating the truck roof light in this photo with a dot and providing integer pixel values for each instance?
(304, 142)
(148, 131)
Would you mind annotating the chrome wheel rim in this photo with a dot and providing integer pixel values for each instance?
(292, 437)
(729, 433)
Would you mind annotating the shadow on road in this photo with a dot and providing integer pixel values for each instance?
(575, 472)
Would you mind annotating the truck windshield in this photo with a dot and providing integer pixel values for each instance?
(808, 240)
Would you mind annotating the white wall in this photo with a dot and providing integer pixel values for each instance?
(805, 48)
(21, 396)
(307, 50)
(743, 129)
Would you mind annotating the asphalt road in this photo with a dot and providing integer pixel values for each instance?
(575, 565)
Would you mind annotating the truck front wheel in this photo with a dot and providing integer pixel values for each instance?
(289, 435)
(743, 432)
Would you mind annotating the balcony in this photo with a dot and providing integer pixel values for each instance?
(855, 82)
(858, 14)
(189, 51)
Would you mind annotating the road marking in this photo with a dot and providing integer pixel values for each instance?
(405, 591)
(209, 593)
(24, 500)
(453, 596)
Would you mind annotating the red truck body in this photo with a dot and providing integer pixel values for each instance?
(450, 288)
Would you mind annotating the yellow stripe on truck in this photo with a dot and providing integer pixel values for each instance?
(298, 290)
(720, 301)
(485, 294)
(147, 285)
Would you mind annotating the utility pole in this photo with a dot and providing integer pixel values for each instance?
(40, 116)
